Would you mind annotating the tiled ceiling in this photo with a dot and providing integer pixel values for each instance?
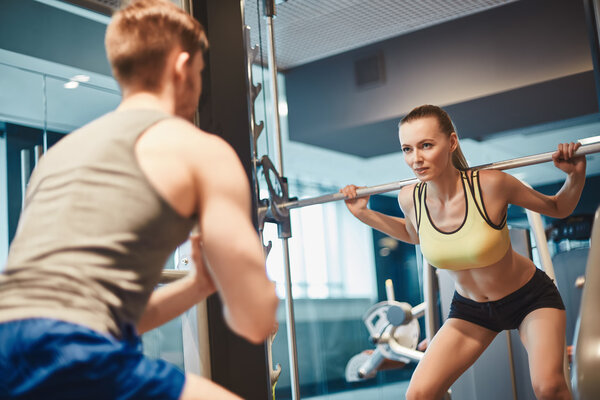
(309, 30)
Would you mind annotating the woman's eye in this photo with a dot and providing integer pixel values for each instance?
(405, 149)
(426, 145)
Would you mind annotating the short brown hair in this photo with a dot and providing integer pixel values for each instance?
(446, 126)
(141, 35)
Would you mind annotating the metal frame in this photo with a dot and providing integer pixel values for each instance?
(267, 210)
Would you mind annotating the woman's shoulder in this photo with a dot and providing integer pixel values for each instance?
(405, 197)
(493, 182)
(407, 191)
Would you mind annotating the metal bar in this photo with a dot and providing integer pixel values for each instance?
(38, 151)
(289, 304)
(274, 92)
(290, 323)
(371, 364)
(592, 147)
(419, 310)
(25, 173)
(253, 125)
(541, 242)
(172, 275)
(414, 355)
(511, 364)
(273, 373)
(429, 299)
(45, 105)
(389, 290)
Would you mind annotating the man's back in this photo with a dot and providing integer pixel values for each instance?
(105, 208)
(93, 227)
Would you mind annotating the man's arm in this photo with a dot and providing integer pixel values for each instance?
(175, 298)
(171, 301)
(230, 241)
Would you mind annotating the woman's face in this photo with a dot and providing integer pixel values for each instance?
(427, 150)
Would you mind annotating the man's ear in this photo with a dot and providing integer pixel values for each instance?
(180, 63)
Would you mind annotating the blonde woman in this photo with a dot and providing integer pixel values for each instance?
(458, 216)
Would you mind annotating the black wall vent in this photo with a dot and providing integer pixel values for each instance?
(369, 71)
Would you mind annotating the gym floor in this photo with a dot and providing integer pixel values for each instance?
(391, 391)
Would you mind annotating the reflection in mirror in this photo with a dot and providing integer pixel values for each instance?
(514, 83)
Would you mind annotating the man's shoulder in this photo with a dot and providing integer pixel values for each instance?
(191, 140)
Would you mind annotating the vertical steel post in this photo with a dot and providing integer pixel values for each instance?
(541, 243)
(25, 172)
(289, 304)
(291, 325)
(274, 93)
(429, 299)
(511, 364)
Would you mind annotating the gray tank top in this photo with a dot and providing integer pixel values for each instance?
(94, 234)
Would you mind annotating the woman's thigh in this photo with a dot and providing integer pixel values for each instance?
(543, 335)
(455, 347)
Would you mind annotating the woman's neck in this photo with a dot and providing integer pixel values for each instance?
(445, 186)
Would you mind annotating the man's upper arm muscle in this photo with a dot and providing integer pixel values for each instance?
(230, 240)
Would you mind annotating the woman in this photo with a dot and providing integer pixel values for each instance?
(458, 216)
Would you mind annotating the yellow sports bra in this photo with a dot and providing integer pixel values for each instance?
(477, 242)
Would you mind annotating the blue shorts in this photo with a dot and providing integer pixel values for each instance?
(50, 359)
(508, 312)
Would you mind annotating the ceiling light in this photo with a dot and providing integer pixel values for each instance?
(283, 109)
(71, 85)
(80, 78)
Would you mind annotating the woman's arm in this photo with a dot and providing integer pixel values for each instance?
(562, 203)
(398, 228)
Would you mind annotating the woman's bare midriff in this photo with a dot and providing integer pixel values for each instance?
(495, 281)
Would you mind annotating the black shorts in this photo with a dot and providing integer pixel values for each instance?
(509, 311)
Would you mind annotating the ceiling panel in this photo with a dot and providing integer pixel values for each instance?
(309, 30)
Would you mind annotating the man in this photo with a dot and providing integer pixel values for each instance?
(105, 208)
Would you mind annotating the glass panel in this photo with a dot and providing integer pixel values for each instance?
(72, 104)
(166, 342)
(21, 96)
